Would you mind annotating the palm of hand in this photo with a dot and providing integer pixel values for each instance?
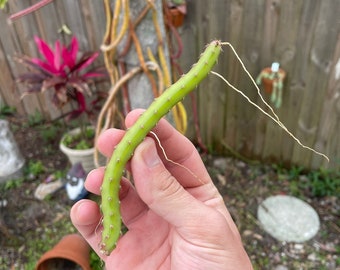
(153, 243)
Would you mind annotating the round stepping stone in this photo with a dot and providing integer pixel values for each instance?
(289, 219)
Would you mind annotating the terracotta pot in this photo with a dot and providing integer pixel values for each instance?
(71, 249)
(268, 83)
(176, 17)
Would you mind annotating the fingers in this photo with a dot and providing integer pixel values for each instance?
(94, 180)
(194, 212)
(177, 150)
(174, 149)
(163, 193)
(108, 140)
(131, 205)
(85, 216)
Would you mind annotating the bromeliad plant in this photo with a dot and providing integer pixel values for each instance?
(64, 71)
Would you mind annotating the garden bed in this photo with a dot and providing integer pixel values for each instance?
(29, 227)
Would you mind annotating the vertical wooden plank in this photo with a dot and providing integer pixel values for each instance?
(190, 51)
(7, 85)
(250, 51)
(296, 80)
(48, 22)
(328, 133)
(233, 73)
(316, 80)
(202, 23)
(18, 42)
(270, 31)
(94, 21)
(70, 14)
(212, 94)
(284, 52)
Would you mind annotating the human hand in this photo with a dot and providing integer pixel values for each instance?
(175, 216)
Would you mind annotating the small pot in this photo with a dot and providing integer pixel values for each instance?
(71, 249)
(175, 15)
(83, 156)
(268, 83)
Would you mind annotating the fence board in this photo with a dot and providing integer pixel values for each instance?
(318, 75)
(328, 131)
(302, 35)
(235, 22)
(283, 48)
(7, 87)
(15, 45)
(210, 91)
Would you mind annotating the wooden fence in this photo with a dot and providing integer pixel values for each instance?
(303, 36)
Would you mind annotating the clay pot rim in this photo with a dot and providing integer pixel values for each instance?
(81, 259)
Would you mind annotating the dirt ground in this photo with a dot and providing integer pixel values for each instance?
(29, 227)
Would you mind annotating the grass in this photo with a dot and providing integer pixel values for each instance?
(318, 183)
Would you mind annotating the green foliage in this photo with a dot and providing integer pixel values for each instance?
(81, 141)
(89, 133)
(11, 184)
(60, 174)
(49, 133)
(34, 168)
(95, 262)
(6, 111)
(318, 183)
(324, 183)
(35, 119)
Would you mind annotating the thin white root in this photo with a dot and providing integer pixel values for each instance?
(276, 119)
(174, 162)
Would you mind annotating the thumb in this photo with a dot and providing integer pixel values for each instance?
(160, 190)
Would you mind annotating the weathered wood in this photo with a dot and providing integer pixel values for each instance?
(327, 138)
(302, 35)
(15, 43)
(7, 86)
(211, 90)
(252, 33)
(283, 50)
(235, 25)
(316, 79)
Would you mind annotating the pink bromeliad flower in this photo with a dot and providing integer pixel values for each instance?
(64, 70)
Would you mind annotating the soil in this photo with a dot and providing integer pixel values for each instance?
(29, 227)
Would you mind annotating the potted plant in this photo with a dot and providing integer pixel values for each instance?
(272, 80)
(64, 71)
(175, 11)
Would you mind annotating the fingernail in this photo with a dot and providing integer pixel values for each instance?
(150, 155)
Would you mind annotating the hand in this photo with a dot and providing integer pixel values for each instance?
(175, 216)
